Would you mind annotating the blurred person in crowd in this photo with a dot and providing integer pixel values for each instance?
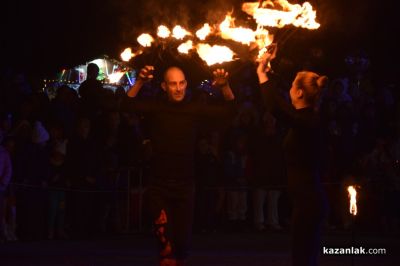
(57, 182)
(33, 198)
(269, 175)
(91, 91)
(5, 177)
(208, 177)
(107, 171)
(10, 224)
(303, 154)
(383, 183)
(80, 170)
(236, 166)
(64, 108)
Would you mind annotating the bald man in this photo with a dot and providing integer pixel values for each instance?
(173, 123)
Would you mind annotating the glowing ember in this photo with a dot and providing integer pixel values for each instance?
(203, 32)
(163, 32)
(145, 40)
(214, 54)
(115, 77)
(353, 199)
(298, 15)
(185, 47)
(179, 33)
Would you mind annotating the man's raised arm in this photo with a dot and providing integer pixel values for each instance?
(145, 74)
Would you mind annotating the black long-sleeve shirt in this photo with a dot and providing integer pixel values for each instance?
(303, 143)
(172, 128)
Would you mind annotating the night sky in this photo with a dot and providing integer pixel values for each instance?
(42, 37)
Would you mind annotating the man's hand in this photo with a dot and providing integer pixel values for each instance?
(146, 73)
(220, 78)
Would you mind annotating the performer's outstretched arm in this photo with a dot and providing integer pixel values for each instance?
(145, 74)
(272, 100)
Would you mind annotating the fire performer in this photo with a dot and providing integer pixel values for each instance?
(302, 147)
(173, 123)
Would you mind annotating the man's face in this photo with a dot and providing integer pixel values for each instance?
(175, 84)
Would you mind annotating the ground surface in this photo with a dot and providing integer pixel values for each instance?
(218, 249)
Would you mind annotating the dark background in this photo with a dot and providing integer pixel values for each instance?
(41, 37)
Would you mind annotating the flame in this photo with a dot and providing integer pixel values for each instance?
(214, 54)
(185, 47)
(115, 77)
(260, 37)
(298, 15)
(127, 54)
(267, 13)
(145, 40)
(163, 32)
(353, 199)
(240, 34)
(179, 33)
(203, 32)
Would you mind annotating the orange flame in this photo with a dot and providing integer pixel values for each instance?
(163, 32)
(215, 54)
(203, 32)
(353, 199)
(268, 13)
(127, 54)
(179, 33)
(298, 15)
(185, 47)
(240, 34)
(145, 40)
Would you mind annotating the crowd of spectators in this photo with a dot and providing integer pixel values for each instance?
(68, 164)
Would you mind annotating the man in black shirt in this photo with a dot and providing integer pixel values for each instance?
(173, 124)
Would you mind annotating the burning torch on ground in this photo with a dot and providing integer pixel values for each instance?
(353, 200)
(352, 194)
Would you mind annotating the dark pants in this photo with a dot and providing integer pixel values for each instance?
(170, 206)
(309, 211)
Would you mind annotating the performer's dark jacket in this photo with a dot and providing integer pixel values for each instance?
(173, 128)
(303, 143)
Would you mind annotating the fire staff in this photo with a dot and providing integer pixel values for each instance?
(303, 153)
(173, 122)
